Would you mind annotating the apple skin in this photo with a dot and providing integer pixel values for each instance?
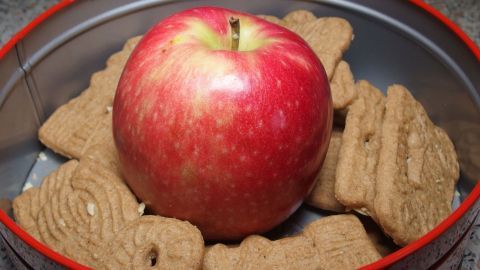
(230, 140)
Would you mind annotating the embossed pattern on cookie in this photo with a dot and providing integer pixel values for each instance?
(27, 205)
(257, 252)
(342, 86)
(154, 242)
(342, 242)
(329, 38)
(100, 148)
(417, 171)
(359, 153)
(86, 213)
(69, 128)
(323, 194)
(334, 242)
(299, 16)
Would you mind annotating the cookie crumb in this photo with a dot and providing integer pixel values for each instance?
(62, 222)
(34, 176)
(109, 109)
(141, 209)
(27, 186)
(42, 156)
(91, 209)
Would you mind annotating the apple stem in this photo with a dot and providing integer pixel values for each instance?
(235, 27)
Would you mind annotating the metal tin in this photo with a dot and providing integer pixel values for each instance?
(395, 42)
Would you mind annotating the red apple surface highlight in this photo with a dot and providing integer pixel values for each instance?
(222, 128)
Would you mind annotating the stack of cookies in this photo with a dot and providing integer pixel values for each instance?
(386, 160)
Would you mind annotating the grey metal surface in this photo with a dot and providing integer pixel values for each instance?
(18, 129)
(394, 43)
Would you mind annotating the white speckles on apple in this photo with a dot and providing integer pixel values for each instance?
(279, 83)
(176, 145)
(248, 108)
(233, 148)
(297, 104)
(243, 158)
(278, 120)
(258, 76)
(224, 150)
(260, 124)
(250, 132)
(165, 112)
(283, 63)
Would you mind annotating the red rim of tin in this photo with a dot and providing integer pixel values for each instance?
(384, 262)
(38, 20)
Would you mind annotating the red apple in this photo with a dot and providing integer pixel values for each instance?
(220, 125)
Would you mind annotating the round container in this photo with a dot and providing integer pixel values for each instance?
(51, 61)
